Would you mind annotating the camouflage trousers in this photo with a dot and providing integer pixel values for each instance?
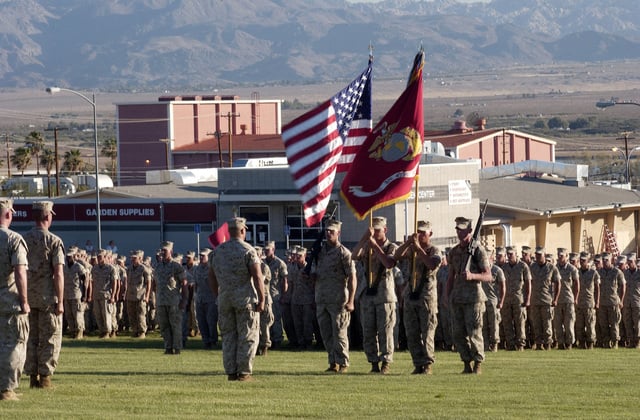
(266, 320)
(609, 323)
(137, 315)
(74, 314)
(240, 329)
(378, 322)
(564, 320)
(207, 314)
(631, 322)
(514, 320)
(467, 330)
(287, 323)
(303, 316)
(541, 322)
(14, 332)
(491, 325)
(45, 341)
(104, 311)
(585, 325)
(444, 326)
(334, 320)
(420, 324)
(276, 327)
(170, 323)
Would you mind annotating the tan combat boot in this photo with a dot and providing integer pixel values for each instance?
(8, 395)
(45, 381)
(477, 368)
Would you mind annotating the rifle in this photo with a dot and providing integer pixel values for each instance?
(317, 244)
(473, 244)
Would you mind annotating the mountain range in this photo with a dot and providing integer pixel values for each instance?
(165, 44)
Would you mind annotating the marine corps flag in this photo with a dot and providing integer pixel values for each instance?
(384, 169)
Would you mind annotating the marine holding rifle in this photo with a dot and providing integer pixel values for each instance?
(468, 267)
(421, 297)
(379, 299)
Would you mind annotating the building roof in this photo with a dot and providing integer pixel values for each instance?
(455, 138)
(538, 196)
(240, 143)
(202, 190)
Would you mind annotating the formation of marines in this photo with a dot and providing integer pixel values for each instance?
(466, 299)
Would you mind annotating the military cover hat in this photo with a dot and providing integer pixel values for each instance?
(562, 251)
(539, 250)
(379, 222)
(205, 251)
(6, 204)
(500, 251)
(573, 256)
(526, 249)
(424, 226)
(237, 223)
(334, 224)
(584, 255)
(511, 250)
(463, 223)
(43, 206)
(167, 245)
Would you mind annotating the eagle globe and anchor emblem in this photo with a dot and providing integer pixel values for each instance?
(392, 146)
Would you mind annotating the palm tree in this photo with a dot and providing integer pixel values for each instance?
(73, 161)
(35, 142)
(110, 150)
(21, 158)
(48, 160)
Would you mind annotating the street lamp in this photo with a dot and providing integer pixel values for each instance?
(92, 102)
(627, 158)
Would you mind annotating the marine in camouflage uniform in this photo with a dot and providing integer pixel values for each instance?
(238, 283)
(466, 297)
(378, 303)
(279, 277)
(104, 287)
(14, 307)
(302, 300)
(545, 291)
(171, 299)
(45, 281)
(121, 322)
(612, 291)
(75, 294)
(517, 299)
(588, 302)
(631, 308)
(420, 297)
(137, 294)
(564, 316)
(266, 316)
(335, 283)
(444, 338)
(285, 300)
(495, 291)
(189, 320)
(206, 306)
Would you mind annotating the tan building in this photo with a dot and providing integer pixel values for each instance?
(493, 147)
(552, 212)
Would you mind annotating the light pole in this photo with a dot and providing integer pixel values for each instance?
(627, 158)
(92, 102)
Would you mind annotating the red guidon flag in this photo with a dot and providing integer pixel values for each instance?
(386, 165)
(219, 236)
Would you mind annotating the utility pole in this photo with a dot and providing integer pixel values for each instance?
(218, 135)
(228, 116)
(55, 153)
(626, 138)
(6, 138)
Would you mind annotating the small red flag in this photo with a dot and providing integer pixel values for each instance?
(219, 236)
(387, 163)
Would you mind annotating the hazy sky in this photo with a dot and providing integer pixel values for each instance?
(377, 1)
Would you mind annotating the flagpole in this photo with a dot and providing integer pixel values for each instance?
(370, 251)
(414, 279)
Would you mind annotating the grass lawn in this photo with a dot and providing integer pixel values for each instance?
(127, 378)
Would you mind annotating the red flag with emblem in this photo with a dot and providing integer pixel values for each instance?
(219, 236)
(386, 165)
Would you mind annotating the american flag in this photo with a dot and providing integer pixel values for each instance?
(314, 144)
(358, 131)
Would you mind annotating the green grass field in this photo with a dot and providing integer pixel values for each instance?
(128, 378)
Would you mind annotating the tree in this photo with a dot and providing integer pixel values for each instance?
(48, 160)
(540, 125)
(21, 158)
(73, 161)
(110, 150)
(579, 123)
(35, 143)
(556, 123)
